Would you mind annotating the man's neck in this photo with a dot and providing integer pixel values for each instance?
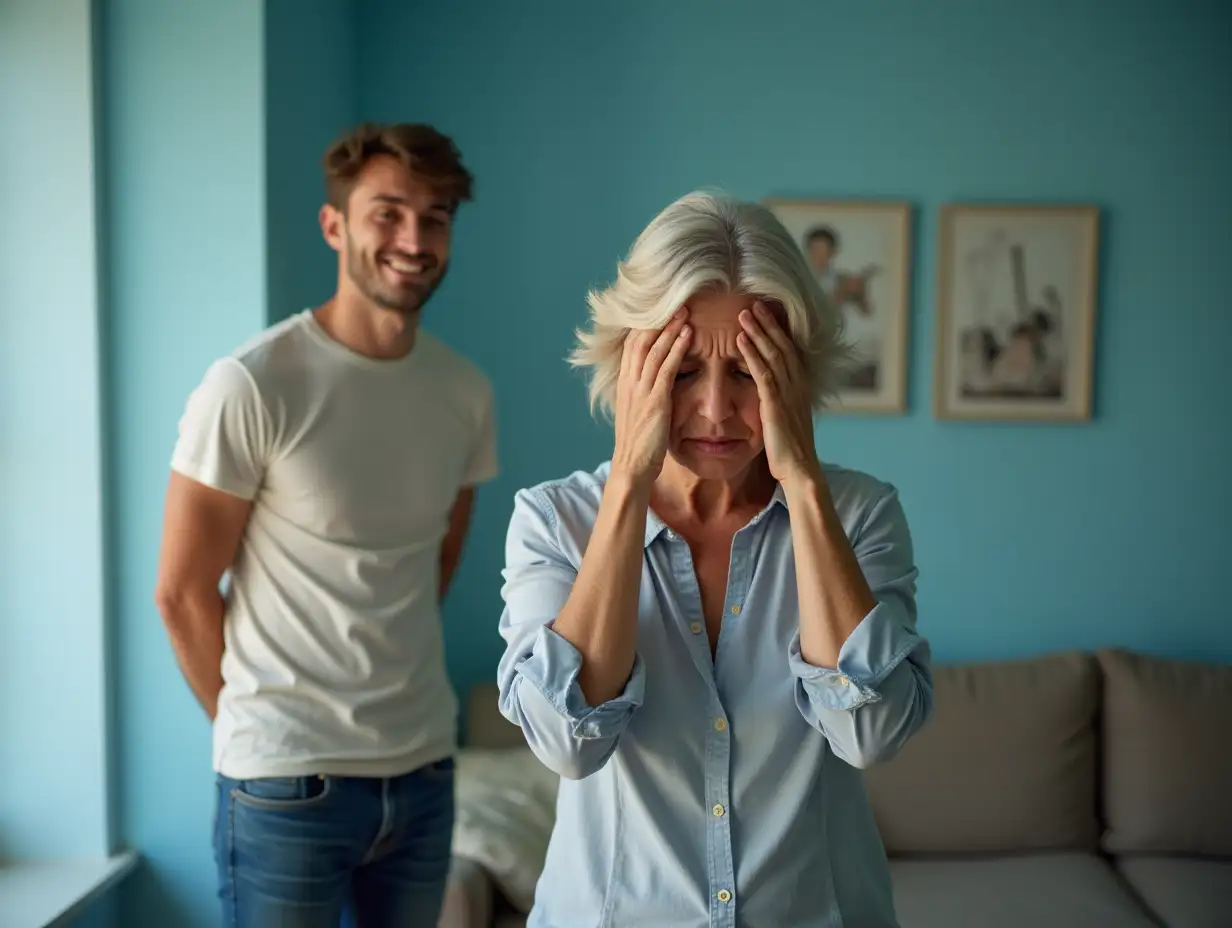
(368, 329)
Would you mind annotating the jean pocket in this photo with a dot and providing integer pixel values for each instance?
(283, 793)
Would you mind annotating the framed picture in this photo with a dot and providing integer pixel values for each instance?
(860, 251)
(1017, 292)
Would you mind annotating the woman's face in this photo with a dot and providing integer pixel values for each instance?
(716, 415)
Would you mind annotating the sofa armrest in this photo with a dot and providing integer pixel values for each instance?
(469, 896)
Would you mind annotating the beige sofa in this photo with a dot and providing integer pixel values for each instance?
(1066, 790)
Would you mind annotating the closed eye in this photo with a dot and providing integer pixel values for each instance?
(735, 371)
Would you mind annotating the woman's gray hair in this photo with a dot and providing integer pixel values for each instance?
(705, 243)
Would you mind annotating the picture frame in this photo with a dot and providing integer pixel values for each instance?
(1017, 295)
(861, 252)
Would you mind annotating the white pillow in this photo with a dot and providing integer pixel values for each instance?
(506, 807)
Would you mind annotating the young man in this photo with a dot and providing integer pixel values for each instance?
(329, 465)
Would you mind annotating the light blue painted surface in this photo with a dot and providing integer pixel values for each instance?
(582, 122)
(218, 115)
(53, 754)
(185, 109)
(310, 100)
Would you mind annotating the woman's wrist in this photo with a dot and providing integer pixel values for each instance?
(806, 480)
(627, 482)
(810, 491)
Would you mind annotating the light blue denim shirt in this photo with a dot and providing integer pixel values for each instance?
(722, 792)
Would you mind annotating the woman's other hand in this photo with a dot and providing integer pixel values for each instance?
(783, 389)
(648, 366)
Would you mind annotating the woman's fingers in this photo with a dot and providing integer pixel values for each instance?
(774, 344)
(643, 339)
(774, 331)
(671, 364)
(762, 375)
(659, 344)
(627, 349)
(761, 341)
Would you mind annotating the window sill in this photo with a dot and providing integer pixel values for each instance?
(52, 894)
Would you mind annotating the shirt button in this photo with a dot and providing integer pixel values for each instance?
(723, 895)
(720, 724)
(696, 628)
(718, 810)
(842, 681)
(735, 610)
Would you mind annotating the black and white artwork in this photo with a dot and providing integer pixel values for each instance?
(1016, 312)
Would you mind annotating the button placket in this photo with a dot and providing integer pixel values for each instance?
(738, 573)
(688, 613)
(721, 871)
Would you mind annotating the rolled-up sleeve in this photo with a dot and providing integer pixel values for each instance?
(538, 673)
(881, 692)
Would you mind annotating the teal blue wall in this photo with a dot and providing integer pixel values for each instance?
(582, 121)
(184, 102)
(217, 114)
(52, 591)
(310, 99)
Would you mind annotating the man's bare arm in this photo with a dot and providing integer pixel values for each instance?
(202, 529)
(455, 537)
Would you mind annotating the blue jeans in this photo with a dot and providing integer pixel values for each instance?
(298, 852)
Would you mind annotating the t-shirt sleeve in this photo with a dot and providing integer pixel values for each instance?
(483, 465)
(223, 432)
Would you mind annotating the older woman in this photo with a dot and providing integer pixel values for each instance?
(711, 634)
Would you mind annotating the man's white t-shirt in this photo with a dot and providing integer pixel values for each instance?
(334, 656)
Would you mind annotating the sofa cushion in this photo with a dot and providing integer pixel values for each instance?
(1186, 892)
(1060, 890)
(1168, 755)
(1007, 763)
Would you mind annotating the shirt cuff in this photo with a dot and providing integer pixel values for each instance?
(553, 667)
(874, 648)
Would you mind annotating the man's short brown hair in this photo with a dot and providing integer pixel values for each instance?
(426, 152)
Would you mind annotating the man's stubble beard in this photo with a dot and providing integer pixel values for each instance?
(368, 281)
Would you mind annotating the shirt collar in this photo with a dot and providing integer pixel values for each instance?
(656, 526)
